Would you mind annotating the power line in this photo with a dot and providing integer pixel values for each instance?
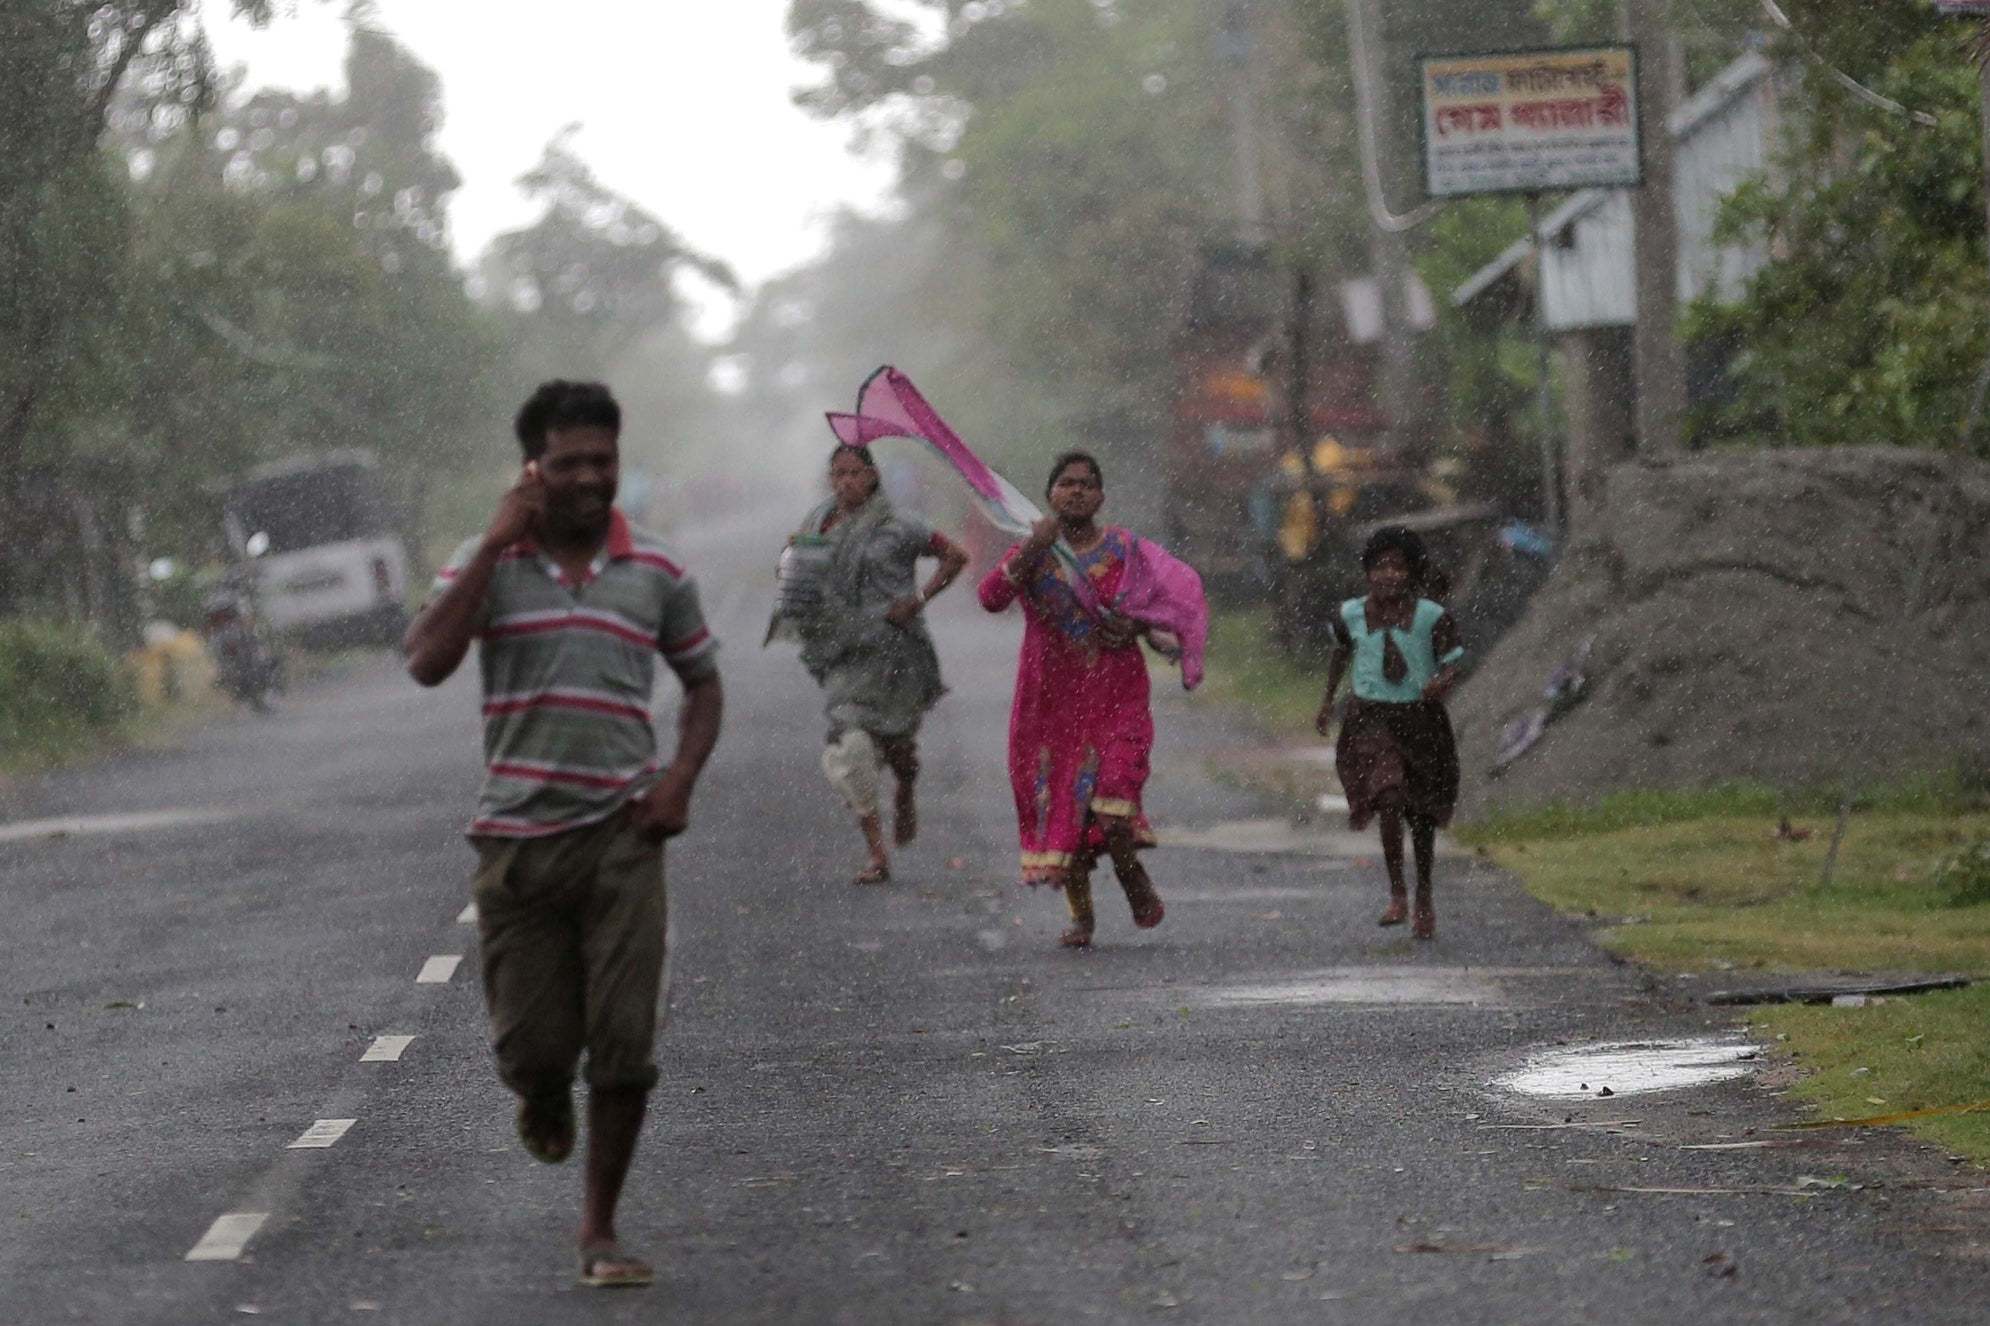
(1371, 169)
(1845, 80)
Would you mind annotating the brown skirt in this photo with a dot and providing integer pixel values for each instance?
(1397, 756)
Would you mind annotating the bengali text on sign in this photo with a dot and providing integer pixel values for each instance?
(1530, 121)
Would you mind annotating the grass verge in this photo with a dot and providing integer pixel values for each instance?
(1278, 697)
(1692, 880)
(1246, 670)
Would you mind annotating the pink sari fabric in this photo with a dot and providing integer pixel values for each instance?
(1080, 730)
(1163, 591)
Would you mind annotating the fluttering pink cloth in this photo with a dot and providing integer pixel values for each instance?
(1163, 591)
(1157, 588)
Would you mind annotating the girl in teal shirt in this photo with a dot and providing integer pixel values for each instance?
(1396, 755)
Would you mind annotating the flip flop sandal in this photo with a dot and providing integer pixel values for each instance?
(608, 1267)
(1075, 938)
(873, 875)
(546, 1127)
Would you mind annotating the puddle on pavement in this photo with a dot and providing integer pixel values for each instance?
(1246, 893)
(1629, 1068)
(1367, 985)
(1281, 837)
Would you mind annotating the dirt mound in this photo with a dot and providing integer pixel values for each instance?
(1795, 617)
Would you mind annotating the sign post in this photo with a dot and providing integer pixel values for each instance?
(1533, 122)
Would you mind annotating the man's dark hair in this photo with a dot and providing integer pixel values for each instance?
(1398, 539)
(561, 404)
(1069, 458)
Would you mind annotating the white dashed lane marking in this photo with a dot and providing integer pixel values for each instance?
(322, 1134)
(386, 1049)
(227, 1236)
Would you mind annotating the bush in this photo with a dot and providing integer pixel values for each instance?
(58, 685)
(1963, 877)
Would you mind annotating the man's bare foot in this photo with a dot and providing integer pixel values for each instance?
(603, 1265)
(877, 872)
(1425, 926)
(905, 817)
(1076, 936)
(546, 1127)
(1397, 913)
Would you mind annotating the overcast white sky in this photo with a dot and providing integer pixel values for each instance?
(685, 107)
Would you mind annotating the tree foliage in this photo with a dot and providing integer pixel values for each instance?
(1869, 325)
(1075, 154)
(293, 291)
(63, 219)
(590, 289)
(196, 282)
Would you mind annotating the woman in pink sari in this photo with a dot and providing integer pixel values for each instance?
(1080, 731)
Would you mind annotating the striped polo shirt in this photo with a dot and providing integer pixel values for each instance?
(568, 670)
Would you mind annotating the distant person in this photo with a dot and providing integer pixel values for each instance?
(571, 606)
(865, 643)
(1080, 731)
(1396, 755)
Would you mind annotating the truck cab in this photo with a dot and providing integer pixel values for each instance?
(330, 565)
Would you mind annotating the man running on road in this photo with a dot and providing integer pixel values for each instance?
(572, 605)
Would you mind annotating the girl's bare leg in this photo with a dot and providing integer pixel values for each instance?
(1141, 894)
(902, 754)
(1423, 839)
(1078, 897)
(1390, 821)
(879, 870)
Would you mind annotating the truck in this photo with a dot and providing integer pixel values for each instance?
(328, 561)
(1232, 458)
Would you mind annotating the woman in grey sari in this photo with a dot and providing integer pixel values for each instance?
(864, 643)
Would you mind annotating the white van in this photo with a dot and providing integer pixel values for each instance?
(329, 564)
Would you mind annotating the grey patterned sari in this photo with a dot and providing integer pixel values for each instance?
(875, 676)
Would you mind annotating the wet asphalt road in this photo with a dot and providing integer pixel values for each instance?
(896, 1105)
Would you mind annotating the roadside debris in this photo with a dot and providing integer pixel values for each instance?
(1883, 1120)
(1825, 990)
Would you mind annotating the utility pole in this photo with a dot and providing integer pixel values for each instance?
(1237, 43)
(1659, 363)
(1396, 384)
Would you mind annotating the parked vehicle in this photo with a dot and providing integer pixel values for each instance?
(247, 663)
(1229, 455)
(336, 568)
